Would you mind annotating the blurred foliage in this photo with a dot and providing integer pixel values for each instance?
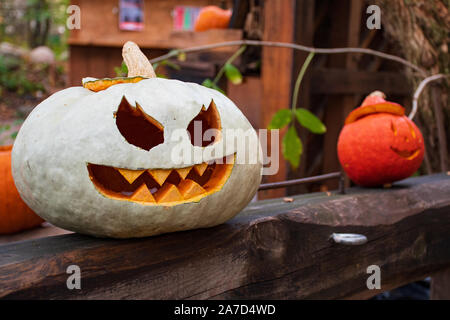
(11, 132)
(121, 71)
(31, 23)
(15, 77)
(38, 17)
(27, 24)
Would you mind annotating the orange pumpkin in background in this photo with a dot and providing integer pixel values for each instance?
(212, 17)
(379, 144)
(15, 215)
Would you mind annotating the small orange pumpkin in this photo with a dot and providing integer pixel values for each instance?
(379, 144)
(15, 215)
(212, 17)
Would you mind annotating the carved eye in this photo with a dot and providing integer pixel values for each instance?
(207, 121)
(137, 127)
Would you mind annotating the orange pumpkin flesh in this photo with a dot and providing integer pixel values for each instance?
(15, 215)
(103, 84)
(379, 145)
(212, 17)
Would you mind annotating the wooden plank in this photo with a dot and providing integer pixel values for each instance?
(276, 74)
(158, 26)
(192, 71)
(176, 39)
(272, 250)
(78, 68)
(341, 81)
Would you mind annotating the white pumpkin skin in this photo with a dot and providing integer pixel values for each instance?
(76, 126)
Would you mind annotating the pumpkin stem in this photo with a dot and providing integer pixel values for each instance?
(137, 63)
(377, 94)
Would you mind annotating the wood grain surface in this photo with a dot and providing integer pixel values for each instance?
(271, 250)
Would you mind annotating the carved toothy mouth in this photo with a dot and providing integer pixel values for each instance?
(166, 187)
(408, 155)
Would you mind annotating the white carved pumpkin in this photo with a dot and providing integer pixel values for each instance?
(105, 163)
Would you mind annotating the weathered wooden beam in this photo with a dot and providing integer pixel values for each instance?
(273, 249)
(341, 81)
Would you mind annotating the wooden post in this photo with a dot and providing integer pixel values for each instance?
(277, 66)
(346, 26)
(304, 34)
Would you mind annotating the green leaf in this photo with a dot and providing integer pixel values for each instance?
(181, 56)
(207, 83)
(14, 135)
(310, 121)
(292, 147)
(210, 84)
(281, 119)
(121, 71)
(233, 74)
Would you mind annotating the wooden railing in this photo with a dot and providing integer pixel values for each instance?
(274, 249)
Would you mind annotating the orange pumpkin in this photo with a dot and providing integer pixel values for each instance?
(379, 144)
(212, 17)
(15, 215)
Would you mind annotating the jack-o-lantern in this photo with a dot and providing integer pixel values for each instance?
(102, 159)
(379, 144)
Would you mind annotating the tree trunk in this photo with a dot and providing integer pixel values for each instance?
(421, 30)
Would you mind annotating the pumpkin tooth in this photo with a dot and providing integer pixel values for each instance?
(190, 188)
(168, 193)
(200, 168)
(160, 175)
(220, 175)
(143, 194)
(130, 175)
(183, 172)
